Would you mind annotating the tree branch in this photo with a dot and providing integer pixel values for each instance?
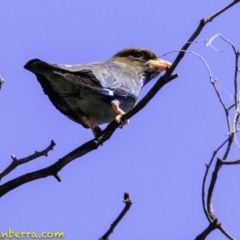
(212, 226)
(201, 25)
(223, 162)
(87, 147)
(128, 204)
(53, 169)
(16, 162)
(1, 81)
(232, 131)
(205, 177)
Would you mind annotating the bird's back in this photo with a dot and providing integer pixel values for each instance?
(77, 90)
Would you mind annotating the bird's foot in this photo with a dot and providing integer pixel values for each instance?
(119, 120)
(119, 112)
(94, 127)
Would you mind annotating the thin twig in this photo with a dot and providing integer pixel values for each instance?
(230, 107)
(224, 232)
(1, 81)
(235, 121)
(224, 162)
(236, 53)
(235, 68)
(201, 25)
(213, 82)
(199, 56)
(223, 10)
(16, 162)
(205, 177)
(226, 110)
(232, 135)
(128, 204)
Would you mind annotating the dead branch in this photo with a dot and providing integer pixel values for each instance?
(232, 131)
(237, 53)
(224, 162)
(53, 169)
(87, 147)
(205, 177)
(16, 162)
(128, 204)
(1, 81)
(212, 226)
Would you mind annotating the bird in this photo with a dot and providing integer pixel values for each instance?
(99, 92)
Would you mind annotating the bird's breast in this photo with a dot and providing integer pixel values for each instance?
(98, 108)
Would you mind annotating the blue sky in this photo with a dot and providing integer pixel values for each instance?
(159, 157)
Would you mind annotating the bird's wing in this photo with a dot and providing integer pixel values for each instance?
(106, 78)
(58, 90)
(61, 82)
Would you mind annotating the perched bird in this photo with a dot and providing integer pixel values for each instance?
(96, 93)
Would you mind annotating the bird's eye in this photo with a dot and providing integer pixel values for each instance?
(136, 54)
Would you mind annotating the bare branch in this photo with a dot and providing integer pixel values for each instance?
(224, 232)
(205, 177)
(16, 162)
(210, 204)
(209, 43)
(224, 162)
(212, 226)
(210, 192)
(236, 69)
(128, 204)
(230, 107)
(223, 10)
(209, 212)
(53, 169)
(214, 83)
(199, 56)
(1, 81)
(201, 25)
(87, 147)
(226, 110)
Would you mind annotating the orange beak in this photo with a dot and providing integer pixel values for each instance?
(159, 64)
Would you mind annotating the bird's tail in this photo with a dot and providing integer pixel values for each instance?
(37, 66)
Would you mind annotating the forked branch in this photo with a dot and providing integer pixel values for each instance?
(232, 132)
(16, 162)
(53, 169)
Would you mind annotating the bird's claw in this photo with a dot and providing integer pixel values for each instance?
(119, 120)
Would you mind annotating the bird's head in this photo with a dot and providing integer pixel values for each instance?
(145, 63)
